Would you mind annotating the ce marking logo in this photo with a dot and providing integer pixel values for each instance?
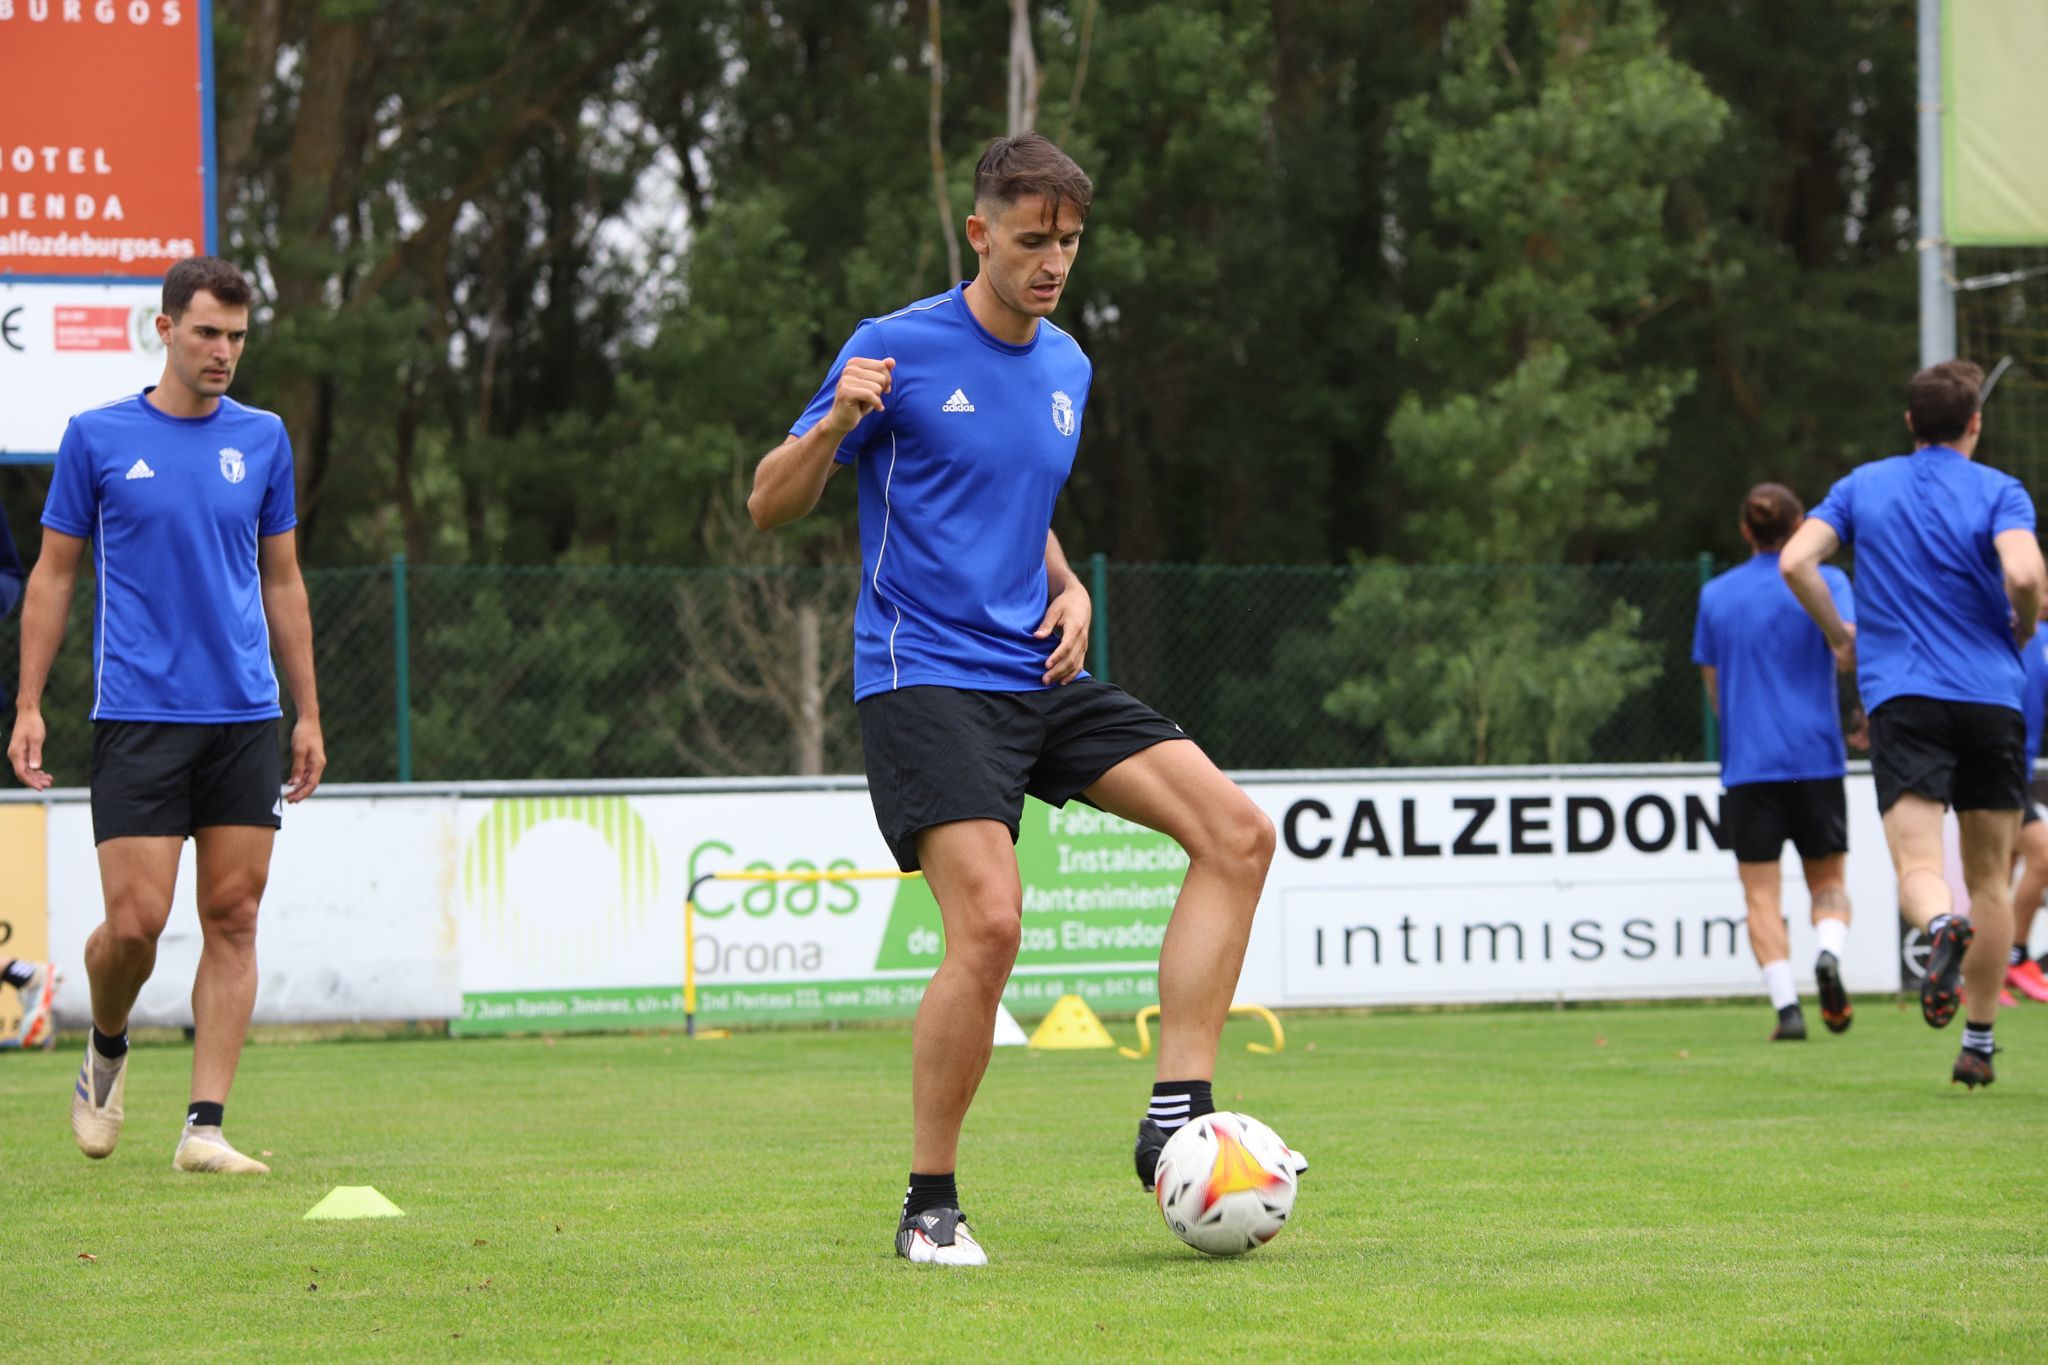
(10, 325)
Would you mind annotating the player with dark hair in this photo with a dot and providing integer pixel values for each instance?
(1949, 581)
(186, 498)
(1771, 677)
(961, 414)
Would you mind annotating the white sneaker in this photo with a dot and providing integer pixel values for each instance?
(96, 1102)
(37, 997)
(204, 1150)
(938, 1237)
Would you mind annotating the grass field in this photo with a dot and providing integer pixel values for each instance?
(1653, 1181)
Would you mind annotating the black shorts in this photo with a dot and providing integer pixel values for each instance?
(1760, 816)
(939, 754)
(155, 778)
(1965, 754)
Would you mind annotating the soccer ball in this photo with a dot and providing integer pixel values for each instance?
(1225, 1184)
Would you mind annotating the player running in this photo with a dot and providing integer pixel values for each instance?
(186, 497)
(1949, 583)
(1771, 677)
(2022, 973)
(961, 413)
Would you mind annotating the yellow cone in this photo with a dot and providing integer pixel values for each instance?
(355, 1201)
(1071, 1025)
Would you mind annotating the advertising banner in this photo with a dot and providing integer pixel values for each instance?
(1994, 105)
(106, 179)
(526, 909)
(68, 347)
(24, 899)
(106, 153)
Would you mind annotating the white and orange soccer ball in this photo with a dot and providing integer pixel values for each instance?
(1225, 1184)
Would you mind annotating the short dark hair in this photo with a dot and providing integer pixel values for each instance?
(1941, 400)
(210, 273)
(1771, 513)
(1013, 167)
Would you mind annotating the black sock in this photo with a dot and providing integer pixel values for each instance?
(1178, 1102)
(1789, 1013)
(930, 1192)
(2017, 956)
(204, 1114)
(18, 973)
(113, 1049)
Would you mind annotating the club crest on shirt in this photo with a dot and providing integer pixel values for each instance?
(232, 467)
(1062, 413)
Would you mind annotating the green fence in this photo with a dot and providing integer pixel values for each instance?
(442, 673)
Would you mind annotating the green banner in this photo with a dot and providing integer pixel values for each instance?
(1994, 107)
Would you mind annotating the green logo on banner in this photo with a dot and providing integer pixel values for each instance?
(1096, 889)
(486, 884)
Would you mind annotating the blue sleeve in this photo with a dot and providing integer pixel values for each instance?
(1838, 509)
(12, 575)
(866, 343)
(73, 504)
(1703, 637)
(2015, 510)
(1844, 594)
(280, 512)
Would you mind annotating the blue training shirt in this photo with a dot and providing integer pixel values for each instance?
(2034, 693)
(1936, 621)
(174, 507)
(958, 477)
(1776, 674)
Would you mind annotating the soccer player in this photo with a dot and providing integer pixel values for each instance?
(960, 414)
(186, 498)
(1771, 677)
(1949, 582)
(36, 984)
(2022, 973)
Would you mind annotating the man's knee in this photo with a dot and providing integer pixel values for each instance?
(1240, 843)
(227, 914)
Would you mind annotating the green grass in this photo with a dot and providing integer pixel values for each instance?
(1652, 1181)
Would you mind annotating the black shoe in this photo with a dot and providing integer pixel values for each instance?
(1941, 990)
(1835, 1010)
(1151, 1141)
(938, 1237)
(1791, 1026)
(1973, 1068)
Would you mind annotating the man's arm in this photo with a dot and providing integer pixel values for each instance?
(1069, 611)
(1710, 677)
(791, 478)
(1800, 563)
(291, 637)
(2019, 553)
(43, 609)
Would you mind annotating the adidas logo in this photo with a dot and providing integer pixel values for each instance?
(141, 470)
(958, 402)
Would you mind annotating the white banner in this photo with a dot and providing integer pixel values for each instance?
(528, 910)
(68, 347)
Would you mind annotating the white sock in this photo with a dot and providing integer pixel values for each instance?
(1832, 934)
(1976, 1039)
(1778, 981)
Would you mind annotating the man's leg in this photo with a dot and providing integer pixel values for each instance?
(1762, 893)
(234, 867)
(971, 868)
(1827, 886)
(1988, 838)
(1912, 831)
(137, 877)
(1172, 787)
(2024, 975)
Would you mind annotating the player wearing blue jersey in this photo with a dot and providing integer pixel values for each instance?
(1948, 588)
(186, 500)
(1771, 677)
(2022, 972)
(960, 415)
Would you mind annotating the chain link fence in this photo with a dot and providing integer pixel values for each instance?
(445, 673)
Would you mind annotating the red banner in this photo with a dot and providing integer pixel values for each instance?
(103, 147)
